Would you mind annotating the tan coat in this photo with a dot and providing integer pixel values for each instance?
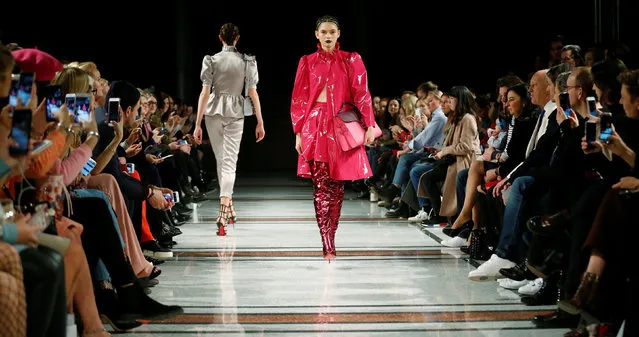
(462, 141)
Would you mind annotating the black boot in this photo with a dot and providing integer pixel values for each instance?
(135, 305)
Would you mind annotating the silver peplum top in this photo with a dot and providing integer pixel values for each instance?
(225, 73)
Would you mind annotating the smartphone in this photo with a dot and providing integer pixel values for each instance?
(130, 168)
(20, 132)
(37, 149)
(591, 133)
(182, 142)
(13, 90)
(605, 127)
(114, 109)
(592, 106)
(163, 132)
(82, 111)
(564, 102)
(88, 167)
(167, 156)
(54, 100)
(69, 100)
(24, 87)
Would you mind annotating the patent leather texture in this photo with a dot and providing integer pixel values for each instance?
(344, 76)
(327, 198)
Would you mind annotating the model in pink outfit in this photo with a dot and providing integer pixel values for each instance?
(325, 80)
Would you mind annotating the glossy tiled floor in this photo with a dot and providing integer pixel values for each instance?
(267, 277)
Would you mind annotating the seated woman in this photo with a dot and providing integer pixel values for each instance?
(482, 171)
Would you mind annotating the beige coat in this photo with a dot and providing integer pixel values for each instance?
(463, 141)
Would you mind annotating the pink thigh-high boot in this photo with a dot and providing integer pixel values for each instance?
(327, 197)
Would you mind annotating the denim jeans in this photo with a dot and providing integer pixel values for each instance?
(100, 273)
(415, 173)
(404, 165)
(462, 180)
(510, 239)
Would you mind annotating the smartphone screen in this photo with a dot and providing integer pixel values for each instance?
(564, 102)
(54, 101)
(605, 127)
(83, 108)
(88, 167)
(114, 109)
(69, 99)
(13, 90)
(24, 87)
(20, 132)
(592, 106)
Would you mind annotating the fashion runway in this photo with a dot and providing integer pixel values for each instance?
(267, 277)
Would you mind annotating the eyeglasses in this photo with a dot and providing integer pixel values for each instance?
(94, 91)
(152, 102)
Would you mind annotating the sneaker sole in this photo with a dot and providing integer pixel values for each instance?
(158, 255)
(483, 278)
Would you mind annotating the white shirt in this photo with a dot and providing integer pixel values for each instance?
(540, 130)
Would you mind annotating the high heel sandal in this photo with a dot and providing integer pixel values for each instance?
(222, 219)
(232, 218)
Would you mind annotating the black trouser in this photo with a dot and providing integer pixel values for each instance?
(188, 167)
(431, 182)
(100, 239)
(45, 291)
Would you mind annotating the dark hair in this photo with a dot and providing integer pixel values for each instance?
(326, 18)
(7, 62)
(229, 32)
(465, 103)
(583, 79)
(522, 91)
(631, 79)
(604, 74)
(127, 92)
(427, 87)
(576, 53)
(555, 70)
(509, 80)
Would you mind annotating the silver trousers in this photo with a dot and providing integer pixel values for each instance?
(225, 135)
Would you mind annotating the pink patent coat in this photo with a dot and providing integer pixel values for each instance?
(344, 76)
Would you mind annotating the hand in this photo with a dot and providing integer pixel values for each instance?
(27, 233)
(186, 148)
(487, 156)
(615, 144)
(401, 153)
(298, 143)
(157, 200)
(33, 100)
(627, 183)
(438, 155)
(574, 121)
(561, 115)
(133, 150)
(90, 125)
(500, 187)
(118, 127)
(152, 159)
(259, 132)
(594, 147)
(197, 134)
(370, 136)
(491, 175)
(39, 124)
(133, 136)
(495, 133)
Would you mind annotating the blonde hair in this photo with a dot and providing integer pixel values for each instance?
(73, 80)
(408, 105)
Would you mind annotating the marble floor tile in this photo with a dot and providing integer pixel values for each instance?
(267, 277)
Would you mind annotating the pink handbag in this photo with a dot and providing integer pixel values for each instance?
(349, 129)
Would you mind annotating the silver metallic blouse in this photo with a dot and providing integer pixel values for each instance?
(225, 73)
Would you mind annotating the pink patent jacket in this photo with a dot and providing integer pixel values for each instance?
(344, 76)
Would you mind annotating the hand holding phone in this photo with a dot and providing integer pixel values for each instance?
(564, 102)
(20, 132)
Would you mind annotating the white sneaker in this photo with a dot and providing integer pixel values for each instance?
(421, 215)
(512, 284)
(532, 287)
(489, 270)
(455, 242)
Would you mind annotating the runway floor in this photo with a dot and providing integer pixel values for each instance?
(267, 277)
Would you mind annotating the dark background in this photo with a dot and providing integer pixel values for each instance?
(402, 43)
